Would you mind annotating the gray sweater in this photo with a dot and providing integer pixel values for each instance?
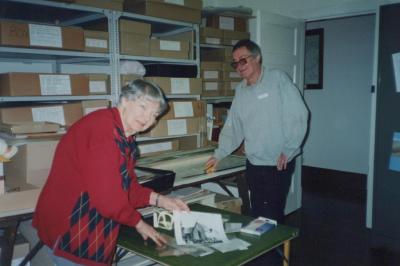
(270, 116)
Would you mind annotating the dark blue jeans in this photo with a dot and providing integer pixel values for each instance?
(269, 189)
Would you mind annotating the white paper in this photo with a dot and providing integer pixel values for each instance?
(175, 2)
(210, 40)
(183, 109)
(396, 68)
(43, 35)
(234, 74)
(170, 45)
(55, 84)
(193, 228)
(155, 147)
(88, 110)
(97, 86)
(231, 245)
(233, 42)
(210, 74)
(96, 43)
(211, 86)
(180, 85)
(177, 127)
(54, 114)
(226, 23)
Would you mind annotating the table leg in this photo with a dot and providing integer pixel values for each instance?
(286, 252)
(7, 245)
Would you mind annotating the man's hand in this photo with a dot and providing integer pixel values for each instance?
(282, 162)
(147, 231)
(211, 164)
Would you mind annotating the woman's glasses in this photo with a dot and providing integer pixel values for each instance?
(242, 61)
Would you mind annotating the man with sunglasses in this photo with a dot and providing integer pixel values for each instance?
(269, 115)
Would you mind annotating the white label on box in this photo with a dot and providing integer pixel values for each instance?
(96, 43)
(54, 114)
(211, 86)
(180, 85)
(234, 74)
(55, 84)
(88, 110)
(177, 127)
(97, 86)
(226, 23)
(155, 147)
(43, 35)
(210, 40)
(183, 109)
(234, 85)
(233, 42)
(208, 74)
(1, 170)
(170, 46)
(175, 2)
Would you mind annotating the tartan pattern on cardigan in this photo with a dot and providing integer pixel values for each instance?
(90, 236)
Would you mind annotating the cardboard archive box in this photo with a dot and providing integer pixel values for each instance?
(222, 54)
(96, 41)
(99, 83)
(31, 165)
(211, 70)
(186, 10)
(134, 37)
(232, 37)
(35, 84)
(169, 49)
(229, 87)
(15, 33)
(227, 22)
(210, 35)
(169, 85)
(127, 78)
(94, 105)
(185, 109)
(62, 114)
(158, 147)
(213, 88)
(106, 4)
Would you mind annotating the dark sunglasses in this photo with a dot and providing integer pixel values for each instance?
(242, 61)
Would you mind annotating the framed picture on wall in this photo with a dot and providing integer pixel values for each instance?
(314, 59)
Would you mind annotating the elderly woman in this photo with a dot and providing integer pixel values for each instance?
(92, 187)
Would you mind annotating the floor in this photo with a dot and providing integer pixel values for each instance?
(332, 224)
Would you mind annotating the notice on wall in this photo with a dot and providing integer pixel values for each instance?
(396, 69)
(394, 162)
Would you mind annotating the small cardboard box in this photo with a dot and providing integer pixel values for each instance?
(227, 22)
(29, 128)
(160, 9)
(62, 114)
(96, 41)
(134, 44)
(232, 37)
(31, 164)
(159, 147)
(211, 70)
(34, 84)
(169, 49)
(210, 35)
(174, 86)
(222, 54)
(99, 83)
(94, 105)
(185, 109)
(231, 76)
(136, 27)
(212, 88)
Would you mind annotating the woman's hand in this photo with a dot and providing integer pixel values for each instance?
(172, 204)
(147, 231)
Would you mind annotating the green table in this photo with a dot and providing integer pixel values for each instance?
(129, 239)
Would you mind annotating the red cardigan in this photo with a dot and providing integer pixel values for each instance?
(90, 191)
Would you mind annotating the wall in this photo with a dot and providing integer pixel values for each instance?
(340, 120)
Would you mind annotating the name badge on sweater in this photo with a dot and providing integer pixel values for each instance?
(262, 96)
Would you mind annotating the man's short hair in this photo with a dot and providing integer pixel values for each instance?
(253, 48)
